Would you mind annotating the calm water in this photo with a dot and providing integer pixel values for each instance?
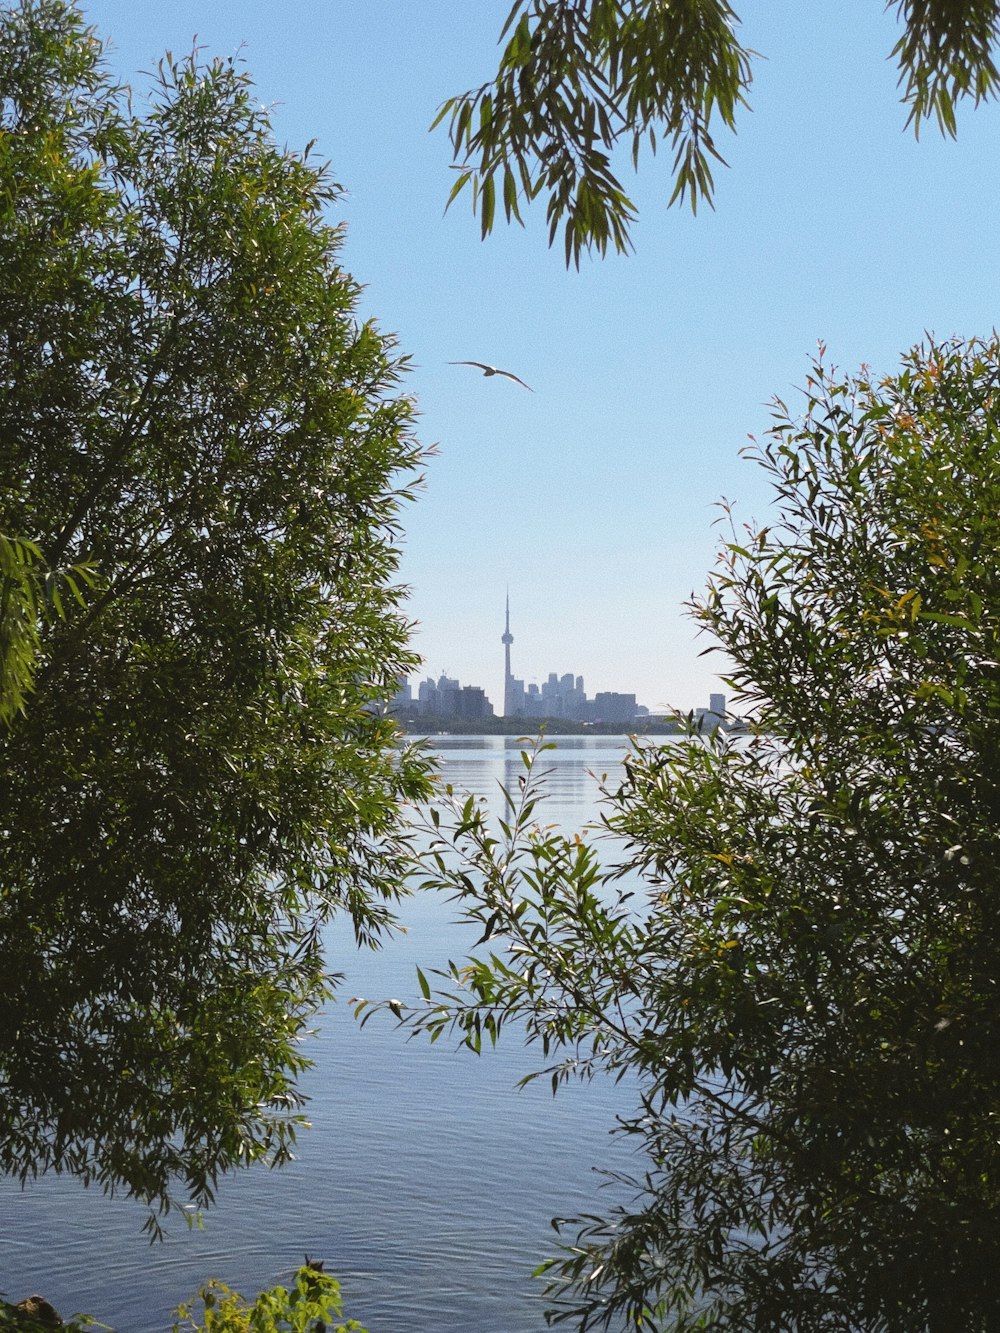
(427, 1181)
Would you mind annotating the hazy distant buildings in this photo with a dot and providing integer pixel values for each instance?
(471, 703)
(437, 697)
(447, 701)
(443, 700)
(610, 707)
(714, 715)
(560, 696)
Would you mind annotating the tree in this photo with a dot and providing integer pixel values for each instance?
(794, 965)
(201, 777)
(580, 78)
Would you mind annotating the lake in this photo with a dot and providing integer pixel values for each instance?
(427, 1181)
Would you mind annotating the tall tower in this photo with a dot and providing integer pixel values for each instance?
(507, 639)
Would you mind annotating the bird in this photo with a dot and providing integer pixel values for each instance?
(492, 370)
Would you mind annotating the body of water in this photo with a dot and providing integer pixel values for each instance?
(427, 1181)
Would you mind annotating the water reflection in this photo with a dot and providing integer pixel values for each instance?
(426, 1183)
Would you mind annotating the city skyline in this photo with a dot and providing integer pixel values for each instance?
(594, 496)
(502, 703)
(447, 700)
(558, 696)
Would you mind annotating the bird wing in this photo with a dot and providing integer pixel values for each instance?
(492, 370)
(516, 379)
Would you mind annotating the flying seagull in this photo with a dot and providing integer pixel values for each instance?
(492, 370)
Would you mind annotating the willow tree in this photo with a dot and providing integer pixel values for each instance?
(200, 777)
(797, 977)
(580, 82)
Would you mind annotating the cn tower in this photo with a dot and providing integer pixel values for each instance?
(507, 639)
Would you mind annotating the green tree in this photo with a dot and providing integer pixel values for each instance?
(794, 966)
(580, 79)
(201, 778)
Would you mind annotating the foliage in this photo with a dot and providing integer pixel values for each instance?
(26, 596)
(203, 777)
(796, 962)
(310, 1306)
(579, 78)
(315, 1297)
(18, 623)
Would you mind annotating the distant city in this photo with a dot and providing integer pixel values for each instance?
(447, 701)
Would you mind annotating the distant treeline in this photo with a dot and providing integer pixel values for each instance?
(530, 726)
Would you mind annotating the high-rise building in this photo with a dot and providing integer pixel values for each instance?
(448, 699)
(472, 703)
(611, 706)
(714, 716)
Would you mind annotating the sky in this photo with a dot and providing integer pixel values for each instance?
(594, 499)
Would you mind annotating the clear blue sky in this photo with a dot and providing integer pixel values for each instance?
(592, 498)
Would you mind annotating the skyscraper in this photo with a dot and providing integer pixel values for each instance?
(507, 639)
